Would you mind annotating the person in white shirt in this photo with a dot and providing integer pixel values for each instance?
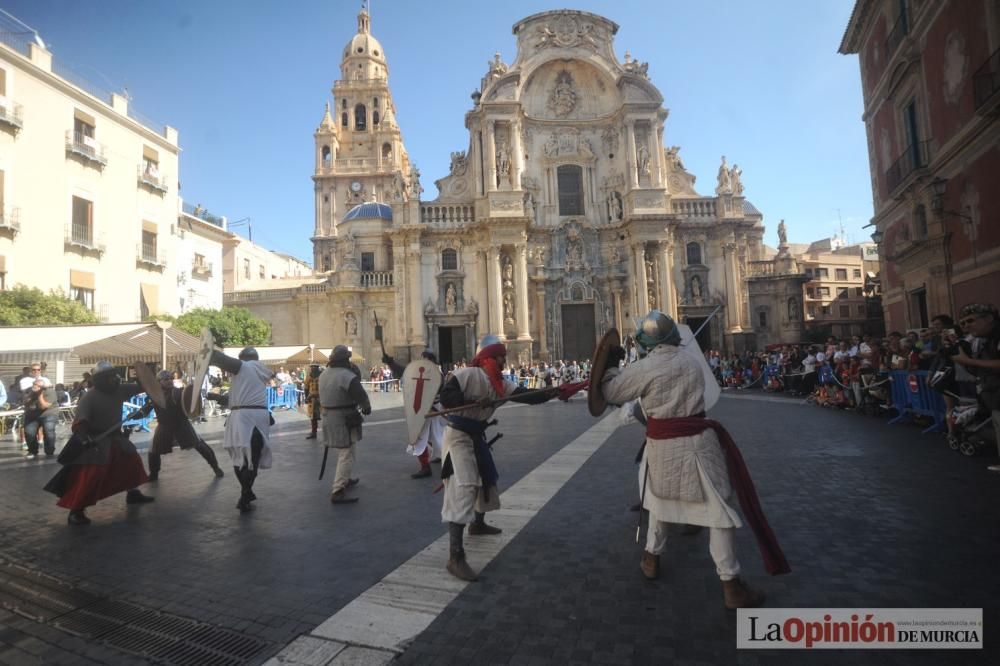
(34, 374)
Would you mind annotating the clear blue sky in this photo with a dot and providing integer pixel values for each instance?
(245, 82)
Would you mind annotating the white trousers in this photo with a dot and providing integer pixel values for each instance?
(721, 544)
(345, 463)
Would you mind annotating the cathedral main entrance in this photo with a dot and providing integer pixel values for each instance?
(579, 331)
(451, 345)
(705, 336)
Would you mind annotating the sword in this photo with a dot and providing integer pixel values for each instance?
(492, 403)
(322, 469)
(707, 319)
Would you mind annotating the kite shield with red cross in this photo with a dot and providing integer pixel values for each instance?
(421, 381)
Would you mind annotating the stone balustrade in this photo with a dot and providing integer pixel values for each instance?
(376, 279)
(694, 207)
(447, 216)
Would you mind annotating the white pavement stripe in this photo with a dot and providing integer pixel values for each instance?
(765, 398)
(386, 618)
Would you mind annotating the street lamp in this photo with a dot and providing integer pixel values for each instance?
(877, 236)
(937, 188)
(240, 222)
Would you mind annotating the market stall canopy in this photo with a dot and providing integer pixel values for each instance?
(144, 344)
(284, 355)
(22, 345)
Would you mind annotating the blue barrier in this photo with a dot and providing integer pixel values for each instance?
(136, 403)
(911, 395)
(282, 397)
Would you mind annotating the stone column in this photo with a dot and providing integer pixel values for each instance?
(490, 159)
(483, 284)
(521, 284)
(733, 300)
(496, 295)
(667, 303)
(516, 156)
(543, 345)
(657, 150)
(642, 297)
(630, 161)
(415, 325)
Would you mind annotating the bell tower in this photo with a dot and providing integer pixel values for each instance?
(360, 156)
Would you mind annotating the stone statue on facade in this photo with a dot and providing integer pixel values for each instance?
(793, 309)
(459, 163)
(651, 297)
(616, 255)
(696, 288)
(725, 185)
(609, 139)
(562, 99)
(586, 150)
(673, 159)
(530, 207)
(508, 272)
(450, 299)
(642, 158)
(503, 163)
(614, 206)
(415, 188)
(508, 306)
(782, 234)
(351, 324)
(734, 176)
(552, 145)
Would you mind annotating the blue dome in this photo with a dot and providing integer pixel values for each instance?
(369, 211)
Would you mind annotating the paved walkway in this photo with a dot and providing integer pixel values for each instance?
(869, 515)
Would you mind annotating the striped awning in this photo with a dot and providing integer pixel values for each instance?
(142, 345)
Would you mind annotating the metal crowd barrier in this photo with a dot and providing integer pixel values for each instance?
(285, 396)
(911, 395)
(136, 403)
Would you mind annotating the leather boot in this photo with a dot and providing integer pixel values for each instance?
(340, 497)
(650, 565)
(424, 472)
(78, 518)
(135, 496)
(459, 568)
(738, 594)
(480, 527)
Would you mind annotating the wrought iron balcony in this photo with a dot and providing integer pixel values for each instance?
(85, 147)
(10, 115)
(900, 29)
(152, 179)
(986, 82)
(914, 158)
(148, 256)
(202, 269)
(81, 237)
(10, 220)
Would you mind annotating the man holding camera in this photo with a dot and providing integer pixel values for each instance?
(41, 409)
(983, 322)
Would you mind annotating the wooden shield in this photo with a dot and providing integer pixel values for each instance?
(598, 366)
(150, 384)
(191, 395)
(420, 383)
(192, 402)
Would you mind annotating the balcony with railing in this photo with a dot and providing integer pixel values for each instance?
(147, 256)
(80, 237)
(201, 269)
(694, 207)
(202, 214)
(151, 178)
(376, 279)
(10, 115)
(86, 148)
(900, 29)
(10, 221)
(915, 158)
(986, 84)
(447, 215)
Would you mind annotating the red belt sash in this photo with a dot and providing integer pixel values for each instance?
(739, 478)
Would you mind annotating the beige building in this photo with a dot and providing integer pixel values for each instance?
(88, 192)
(563, 215)
(198, 238)
(248, 267)
(835, 294)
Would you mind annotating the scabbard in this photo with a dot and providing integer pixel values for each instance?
(326, 452)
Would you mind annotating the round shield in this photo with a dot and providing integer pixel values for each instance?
(598, 366)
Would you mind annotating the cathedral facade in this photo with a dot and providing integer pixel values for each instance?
(564, 215)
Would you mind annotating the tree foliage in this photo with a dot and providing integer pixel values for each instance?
(230, 326)
(30, 306)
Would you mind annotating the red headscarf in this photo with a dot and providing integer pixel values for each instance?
(487, 360)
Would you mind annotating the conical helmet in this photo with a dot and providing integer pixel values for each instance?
(657, 329)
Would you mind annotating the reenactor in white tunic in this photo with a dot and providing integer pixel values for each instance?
(341, 396)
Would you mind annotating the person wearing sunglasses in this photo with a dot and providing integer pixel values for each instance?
(982, 321)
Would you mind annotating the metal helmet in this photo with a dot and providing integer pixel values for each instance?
(340, 353)
(488, 339)
(249, 354)
(429, 355)
(102, 367)
(657, 329)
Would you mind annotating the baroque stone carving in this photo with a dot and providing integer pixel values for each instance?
(459, 163)
(609, 139)
(566, 32)
(562, 99)
(725, 185)
(734, 176)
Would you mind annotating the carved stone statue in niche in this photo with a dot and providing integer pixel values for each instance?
(696, 289)
(574, 254)
(540, 255)
(552, 145)
(642, 158)
(616, 255)
(508, 305)
(586, 150)
(350, 324)
(793, 309)
(450, 299)
(503, 163)
(530, 207)
(609, 139)
(507, 271)
(562, 99)
(614, 206)
(651, 297)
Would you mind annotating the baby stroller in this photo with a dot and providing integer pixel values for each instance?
(973, 434)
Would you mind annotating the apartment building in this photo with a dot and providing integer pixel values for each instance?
(88, 190)
(198, 238)
(835, 296)
(247, 266)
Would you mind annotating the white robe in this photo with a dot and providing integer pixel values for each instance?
(249, 387)
(431, 435)
(687, 481)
